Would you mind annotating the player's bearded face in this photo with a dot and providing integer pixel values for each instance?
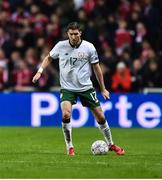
(74, 36)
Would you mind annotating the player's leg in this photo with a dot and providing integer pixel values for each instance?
(103, 125)
(67, 99)
(105, 129)
(66, 125)
(89, 99)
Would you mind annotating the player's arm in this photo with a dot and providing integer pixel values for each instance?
(46, 61)
(100, 79)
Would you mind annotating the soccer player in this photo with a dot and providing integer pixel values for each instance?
(76, 56)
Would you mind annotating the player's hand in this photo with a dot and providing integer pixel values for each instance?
(105, 94)
(36, 77)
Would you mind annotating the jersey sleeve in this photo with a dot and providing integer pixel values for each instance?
(93, 55)
(54, 53)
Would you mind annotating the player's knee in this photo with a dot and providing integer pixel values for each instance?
(66, 116)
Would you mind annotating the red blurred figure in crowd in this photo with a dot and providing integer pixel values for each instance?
(22, 77)
(123, 37)
(121, 80)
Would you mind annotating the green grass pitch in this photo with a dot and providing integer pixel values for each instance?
(40, 153)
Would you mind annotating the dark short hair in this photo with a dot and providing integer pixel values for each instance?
(73, 26)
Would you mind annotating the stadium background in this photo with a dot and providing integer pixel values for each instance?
(126, 34)
(128, 37)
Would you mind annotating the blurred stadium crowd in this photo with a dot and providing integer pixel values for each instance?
(126, 33)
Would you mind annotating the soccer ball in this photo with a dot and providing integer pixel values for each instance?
(99, 147)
